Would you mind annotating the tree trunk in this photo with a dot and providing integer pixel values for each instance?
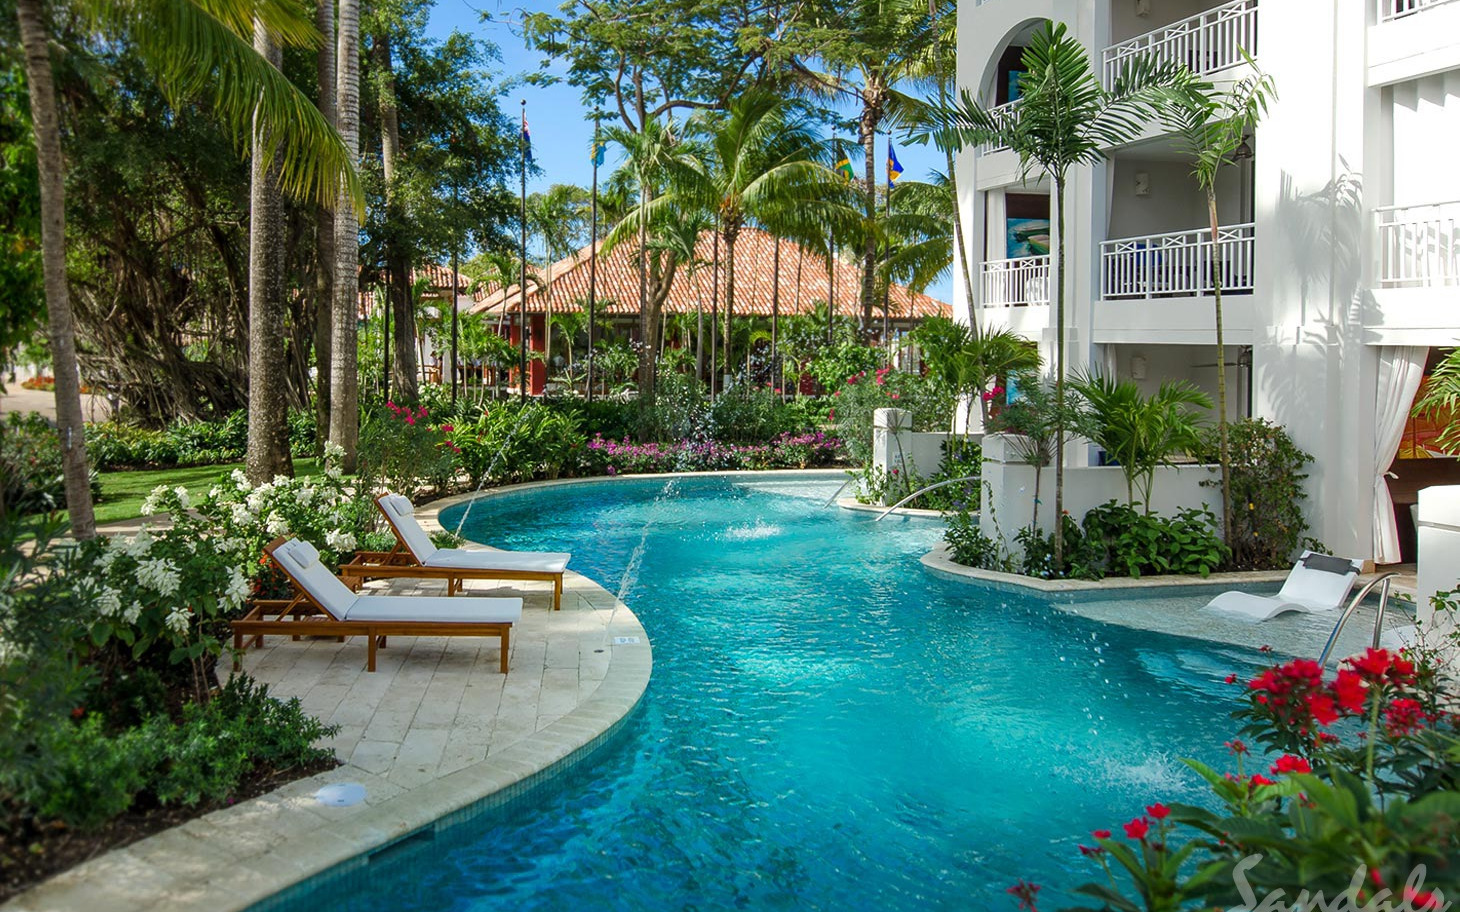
(61, 322)
(870, 117)
(403, 370)
(268, 412)
(1059, 378)
(646, 319)
(729, 300)
(344, 375)
(1223, 456)
(776, 317)
(324, 233)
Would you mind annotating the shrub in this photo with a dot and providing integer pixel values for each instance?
(110, 445)
(860, 395)
(1122, 541)
(403, 451)
(88, 777)
(969, 545)
(789, 451)
(31, 475)
(753, 415)
(512, 442)
(1267, 475)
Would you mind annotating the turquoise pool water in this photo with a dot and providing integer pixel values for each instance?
(828, 725)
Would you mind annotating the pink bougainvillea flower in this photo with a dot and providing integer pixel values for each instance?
(1288, 763)
(1138, 828)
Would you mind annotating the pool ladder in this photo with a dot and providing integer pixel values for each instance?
(1353, 606)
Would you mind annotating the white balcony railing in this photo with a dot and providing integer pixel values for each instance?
(1419, 245)
(1177, 264)
(1205, 43)
(1000, 112)
(1015, 283)
(1398, 9)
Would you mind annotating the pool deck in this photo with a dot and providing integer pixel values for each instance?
(435, 730)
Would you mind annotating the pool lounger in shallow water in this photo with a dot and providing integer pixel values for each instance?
(414, 557)
(1318, 583)
(325, 606)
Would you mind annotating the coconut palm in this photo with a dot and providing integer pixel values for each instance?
(559, 218)
(1212, 124)
(1137, 431)
(1065, 118)
(759, 162)
(344, 430)
(195, 49)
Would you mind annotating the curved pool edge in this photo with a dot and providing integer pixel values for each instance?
(250, 856)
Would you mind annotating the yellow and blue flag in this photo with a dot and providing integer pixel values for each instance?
(894, 167)
(599, 147)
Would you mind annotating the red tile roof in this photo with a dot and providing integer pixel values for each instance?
(618, 283)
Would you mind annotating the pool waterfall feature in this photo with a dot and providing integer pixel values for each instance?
(828, 725)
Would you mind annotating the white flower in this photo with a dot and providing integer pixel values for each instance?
(306, 496)
(237, 589)
(240, 479)
(340, 540)
(256, 501)
(280, 480)
(138, 545)
(335, 473)
(109, 603)
(160, 575)
(108, 558)
(178, 620)
(215, 492)
(333, 452)
(242, 515)
(183, 499)
(277, 524)
(133, 612)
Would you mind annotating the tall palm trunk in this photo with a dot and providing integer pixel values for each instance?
(776, 315)
(1059, 377)
(344, 377)
(1223, 456)
(62, 324)
(404, 367)
(268, 426)
(324, 231)
(730, 237)
(871, 116)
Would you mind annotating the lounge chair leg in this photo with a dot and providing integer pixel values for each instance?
(370, 653)
(506, 645)
(557, 593)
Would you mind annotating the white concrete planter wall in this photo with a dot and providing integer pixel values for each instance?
(1439, 552)
(896, 446)
(1007, 501)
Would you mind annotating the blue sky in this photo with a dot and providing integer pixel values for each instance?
(559, 123)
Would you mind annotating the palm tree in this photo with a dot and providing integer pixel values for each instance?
(195, 49)
(760, 162)
(1065, 118)
(967, 363)
(344, 374)
(1140, 432)
(559, 218)
(1213, 124)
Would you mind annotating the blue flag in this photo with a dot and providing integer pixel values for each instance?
(598, 149)
(526, 139)
(894, 167)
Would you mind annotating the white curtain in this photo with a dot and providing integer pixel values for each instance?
(1400, 370)
(996, 221)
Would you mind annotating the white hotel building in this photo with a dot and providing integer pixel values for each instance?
(1340, 227)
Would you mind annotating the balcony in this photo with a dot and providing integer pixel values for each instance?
(1206, 43)
(1419, 246)
(1176, 265)
(1000, 112)
(1015, 283)
(1398, 9)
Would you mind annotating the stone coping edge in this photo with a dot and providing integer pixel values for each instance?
(248, 856)
(941, 564)
(851, 503)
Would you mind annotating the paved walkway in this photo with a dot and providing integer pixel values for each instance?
(434, 730)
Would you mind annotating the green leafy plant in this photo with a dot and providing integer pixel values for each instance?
(1122, 541)
(31, 480)
(403, 450)
(1267, 475)
(1140, 432)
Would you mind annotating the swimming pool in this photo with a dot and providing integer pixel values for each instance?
(828, 725)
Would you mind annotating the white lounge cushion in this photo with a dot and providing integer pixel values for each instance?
(1317, 582)
(436, 609)
(533, 561)
(301, 560)
(402, 515)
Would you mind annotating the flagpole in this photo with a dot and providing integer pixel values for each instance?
(887, 279)
(455, 290)
(593, 258)
(522, 272)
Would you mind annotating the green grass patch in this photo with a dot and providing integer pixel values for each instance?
(122, 492)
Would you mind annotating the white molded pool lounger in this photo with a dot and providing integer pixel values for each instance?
(1318, 582)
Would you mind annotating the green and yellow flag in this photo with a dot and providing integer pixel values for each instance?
(844, 168)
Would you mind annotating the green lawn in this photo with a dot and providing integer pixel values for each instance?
(122, 493)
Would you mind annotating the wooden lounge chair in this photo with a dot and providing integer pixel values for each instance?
(325, 606)
(415, 557)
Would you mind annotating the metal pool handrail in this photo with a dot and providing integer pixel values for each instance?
(921, 491)
(1352, 607)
